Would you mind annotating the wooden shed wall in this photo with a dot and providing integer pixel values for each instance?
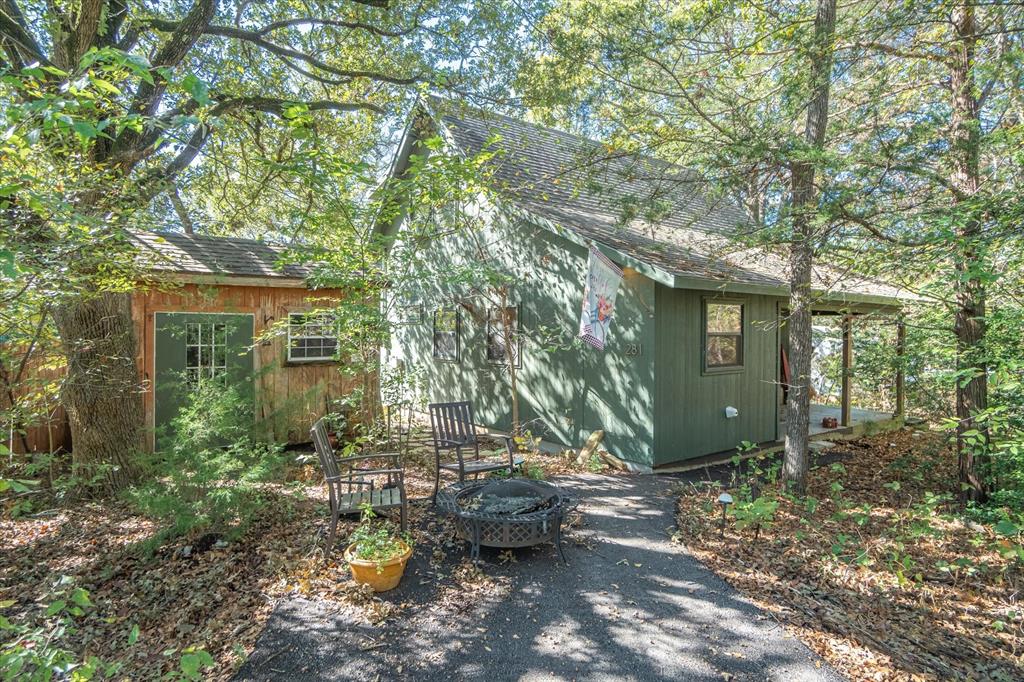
(289, 396)
(49, 431)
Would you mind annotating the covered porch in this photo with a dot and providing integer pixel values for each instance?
(857, 417)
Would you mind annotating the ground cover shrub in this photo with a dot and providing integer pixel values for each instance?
(211, 465)
(36, 646)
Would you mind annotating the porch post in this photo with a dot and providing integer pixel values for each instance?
(844, 409)
(901, 351)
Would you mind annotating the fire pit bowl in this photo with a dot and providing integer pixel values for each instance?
(507, 513)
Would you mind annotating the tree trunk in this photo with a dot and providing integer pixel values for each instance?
(969, 325)
(801, 259)
(101, 391)
(798, 406)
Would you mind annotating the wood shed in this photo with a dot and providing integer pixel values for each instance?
(230, 308)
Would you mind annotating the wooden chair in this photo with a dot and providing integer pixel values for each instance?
(453, 429)
(356, 486)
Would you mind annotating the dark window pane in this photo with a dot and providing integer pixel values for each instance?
(192, 356)
(723, 351)
(496, 339)
(191, 334)
(446, 334)
(725, 318)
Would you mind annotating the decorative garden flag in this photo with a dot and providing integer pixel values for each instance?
(603, 277)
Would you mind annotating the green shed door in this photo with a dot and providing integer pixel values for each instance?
(193, 346)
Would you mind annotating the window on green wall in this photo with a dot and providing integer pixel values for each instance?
(723, 335)
(496, 337)
(446, 334)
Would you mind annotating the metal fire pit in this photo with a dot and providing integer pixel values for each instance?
(507, 513)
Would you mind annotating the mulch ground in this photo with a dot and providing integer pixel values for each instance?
(195, 592)
(877, 574)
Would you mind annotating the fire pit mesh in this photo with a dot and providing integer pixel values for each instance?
(507, 513)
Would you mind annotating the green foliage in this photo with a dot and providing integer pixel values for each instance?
(35, 646)
(756, 514)
(191, 663)
(209, 470)
(377, 540)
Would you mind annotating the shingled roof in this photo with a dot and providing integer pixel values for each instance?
(194, 254)
(659, 214)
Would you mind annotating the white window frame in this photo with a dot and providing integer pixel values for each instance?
(323, 319)
(218, 365)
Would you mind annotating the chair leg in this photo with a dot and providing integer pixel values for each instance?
(331, 532)
(437, 483)
(404, 515)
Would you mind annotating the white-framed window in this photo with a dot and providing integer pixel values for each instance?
(206, 351)
(311, 337)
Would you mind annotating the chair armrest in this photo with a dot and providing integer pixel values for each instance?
(455, 443)
(359, 458)
(348, 480)
(381, 471)
(511, 448)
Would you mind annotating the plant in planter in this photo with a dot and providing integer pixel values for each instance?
(377, 552)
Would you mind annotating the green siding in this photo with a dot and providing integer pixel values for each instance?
(565, 393)
(689, 402)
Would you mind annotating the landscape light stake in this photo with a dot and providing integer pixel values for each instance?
(725, 499)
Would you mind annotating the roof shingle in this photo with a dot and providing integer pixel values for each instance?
(206, 255)
(658, 213)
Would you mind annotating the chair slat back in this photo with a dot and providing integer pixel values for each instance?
(324, 451)
(452, 422)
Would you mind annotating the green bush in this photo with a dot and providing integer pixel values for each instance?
(210, 465)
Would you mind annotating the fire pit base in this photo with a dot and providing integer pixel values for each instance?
(507, 513)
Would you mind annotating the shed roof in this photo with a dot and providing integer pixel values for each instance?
(657, 213)
(204, 255)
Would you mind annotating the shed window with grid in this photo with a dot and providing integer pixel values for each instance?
(446, 334)
(206, 351)
(723, 335)
(311, 337)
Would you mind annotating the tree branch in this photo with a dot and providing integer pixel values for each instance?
(276, 106)
(337, 23)
(155, 181)
(257, 39)
(180, 209)
(184, 35)
(892, 51)
(13, 28)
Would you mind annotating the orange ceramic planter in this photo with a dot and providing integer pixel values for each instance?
(381, 576)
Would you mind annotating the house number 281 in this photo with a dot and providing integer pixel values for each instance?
(634, 350)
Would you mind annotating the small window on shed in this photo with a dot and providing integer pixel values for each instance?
(311, 337)
(446, 334)
(497, 340)
(723, 335)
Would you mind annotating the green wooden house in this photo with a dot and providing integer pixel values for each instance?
(695, 354)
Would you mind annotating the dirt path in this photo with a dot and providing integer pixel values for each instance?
(629, 606)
